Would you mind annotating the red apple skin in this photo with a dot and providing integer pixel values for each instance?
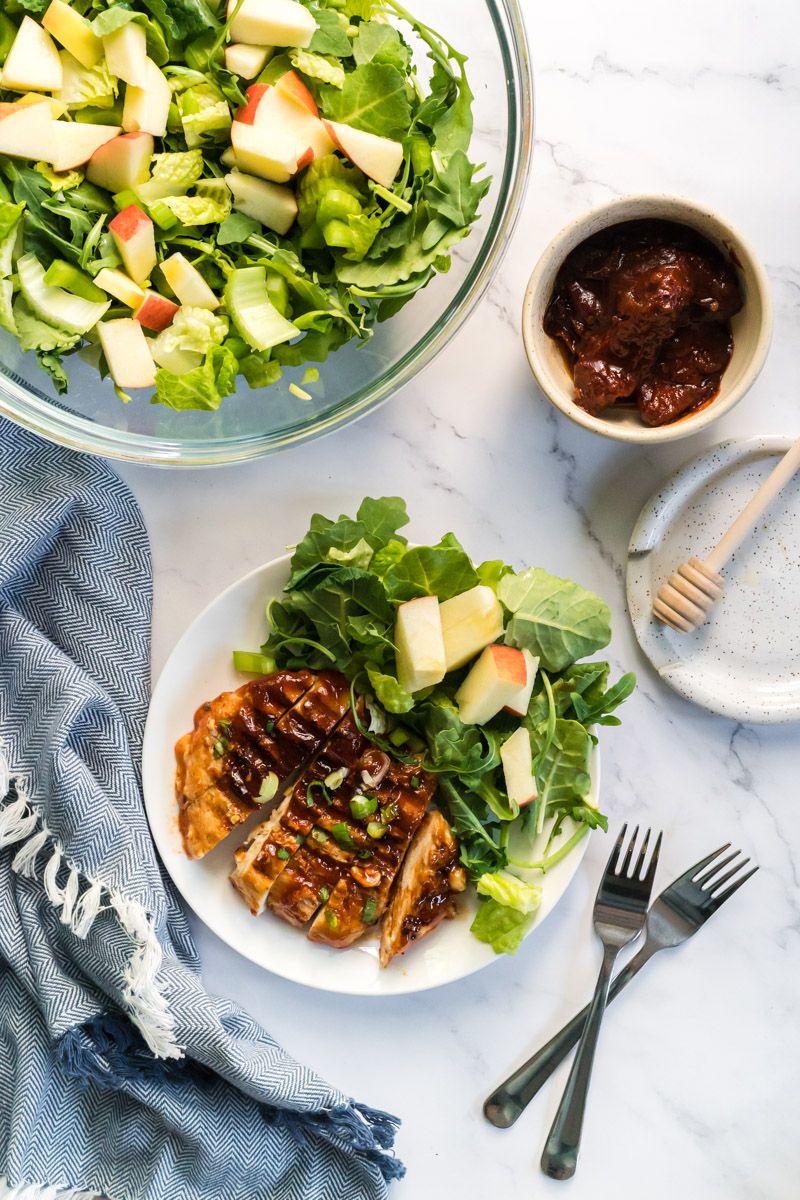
(255, 94)
(305, 158)
(292, 84)
(510, 663)
(111, 149)
(332, 135)
(156, 312)
(127, 223)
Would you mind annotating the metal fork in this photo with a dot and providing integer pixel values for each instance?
(619, 916)
(677, 914)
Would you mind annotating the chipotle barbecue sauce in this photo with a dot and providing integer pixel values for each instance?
(644, 312)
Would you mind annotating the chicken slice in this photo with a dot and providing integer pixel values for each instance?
(423, 895)
(270, 730)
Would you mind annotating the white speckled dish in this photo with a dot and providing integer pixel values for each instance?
(745, 661)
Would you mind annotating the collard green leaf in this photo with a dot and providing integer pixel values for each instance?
(382, 518)
(374, 98)
(556, 619)
(331, 37)
(379, 42)
(443, 570)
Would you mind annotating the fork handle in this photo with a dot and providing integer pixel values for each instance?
(560, 1157)
(508, 1102)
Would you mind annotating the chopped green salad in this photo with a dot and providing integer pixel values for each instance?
(190, 194)
(477, 671)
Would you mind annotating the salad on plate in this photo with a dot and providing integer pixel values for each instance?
(191, 195)
(414, 724)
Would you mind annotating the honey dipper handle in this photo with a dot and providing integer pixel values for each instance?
(754, 509)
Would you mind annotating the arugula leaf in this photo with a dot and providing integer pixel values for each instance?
(236, 228)
(373, 98)
(562, 766)
(501, 927)
(556, 619)
(443, 570)
(201, 388)
(452, 194)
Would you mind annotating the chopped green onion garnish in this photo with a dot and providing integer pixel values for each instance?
(219, 748)
(398, 737)
(365, 853)
(331, 918)
(376, 830)
(301, 393)
(224, 724)
(319, 835)
(270, 726)
(363, 806)
(268, 787)
(336, 779)
(342, 835)
(283, 852)
(415, 781)
(324, 893)
(388, 812)
(368, 911)
(252, 663)
(317, 783)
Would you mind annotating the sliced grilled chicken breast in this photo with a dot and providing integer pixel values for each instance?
(423, 894)
(246, 744)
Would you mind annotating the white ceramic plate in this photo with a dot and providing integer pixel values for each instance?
(199, 668)
(744, 662)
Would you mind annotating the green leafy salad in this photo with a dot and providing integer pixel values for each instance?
(507, 726)
(191, 193)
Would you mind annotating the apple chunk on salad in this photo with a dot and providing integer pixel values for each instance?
(477, 673)
(298, 148)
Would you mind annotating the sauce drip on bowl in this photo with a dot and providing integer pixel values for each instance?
(644, 311)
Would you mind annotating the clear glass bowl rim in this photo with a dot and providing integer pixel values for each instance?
(79, 433)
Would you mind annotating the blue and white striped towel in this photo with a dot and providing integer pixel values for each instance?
(119, 1074)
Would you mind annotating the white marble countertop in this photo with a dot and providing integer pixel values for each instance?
(696, 1084)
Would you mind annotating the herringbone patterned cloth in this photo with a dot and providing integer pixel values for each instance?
(119, 1074)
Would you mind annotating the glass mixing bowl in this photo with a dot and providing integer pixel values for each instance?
(358, 376)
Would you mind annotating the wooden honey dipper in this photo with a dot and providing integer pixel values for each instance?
(686, 599)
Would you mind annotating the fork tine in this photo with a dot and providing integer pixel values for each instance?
(688, 876)
(626, 862)
(649, 875)
(615, 853)
(716, 884)
(703, 879)
(721, 897)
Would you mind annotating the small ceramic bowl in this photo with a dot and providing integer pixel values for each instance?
(752, 327)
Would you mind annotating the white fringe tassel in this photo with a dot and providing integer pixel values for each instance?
(37, 1191)
(20, 826)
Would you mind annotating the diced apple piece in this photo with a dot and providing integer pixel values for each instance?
(494, 682)
(127, 353)
(57, 107)
(272, 23)
(266, 153)
(147, 108)
(378, 157)
(274, 110)
(270, 203)
(75, 142)
(255, 94)
(25, 131)
(187, 283)
(155, 312)
(470, 621)
(32, 63)
(121, 163)
(126, 54)
(74, 33)
(134, 237)
(419, 644)
(120, 286)
(228, 157)
(517, 760)
(518, 706)
(246, 61)
(291, 85)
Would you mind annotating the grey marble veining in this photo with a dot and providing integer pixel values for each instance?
(697, 1077)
